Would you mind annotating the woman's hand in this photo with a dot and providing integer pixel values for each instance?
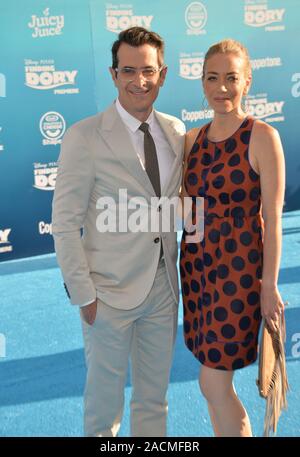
(271, 306)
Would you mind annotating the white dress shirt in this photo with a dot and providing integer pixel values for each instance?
(165, 154)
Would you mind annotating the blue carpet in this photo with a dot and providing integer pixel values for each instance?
(42, 370)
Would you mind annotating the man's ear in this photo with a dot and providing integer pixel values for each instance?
(113, 75)
(163, 74)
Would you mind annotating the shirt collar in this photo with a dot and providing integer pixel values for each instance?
(131, 122)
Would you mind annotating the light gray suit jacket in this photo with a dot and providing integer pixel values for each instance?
(97, 159)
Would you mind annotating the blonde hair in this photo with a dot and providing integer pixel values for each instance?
(229, 46)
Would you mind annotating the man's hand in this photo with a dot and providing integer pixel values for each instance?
(89, 312)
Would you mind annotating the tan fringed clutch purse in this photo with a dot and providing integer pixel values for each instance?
(272, 377)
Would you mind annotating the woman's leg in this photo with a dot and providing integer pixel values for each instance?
(228, 416)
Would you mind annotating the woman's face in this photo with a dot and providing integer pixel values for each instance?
(225, 82)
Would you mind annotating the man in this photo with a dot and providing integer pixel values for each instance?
(124, 281)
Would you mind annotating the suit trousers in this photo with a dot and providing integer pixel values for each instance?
(146, 334)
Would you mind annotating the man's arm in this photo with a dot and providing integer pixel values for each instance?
(75, 181)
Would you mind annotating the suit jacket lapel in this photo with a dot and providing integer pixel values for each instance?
(116, 136)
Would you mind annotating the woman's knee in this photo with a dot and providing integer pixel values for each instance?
(206, 388)
(215, 384)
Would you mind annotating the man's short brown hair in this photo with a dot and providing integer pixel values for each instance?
(137, 36)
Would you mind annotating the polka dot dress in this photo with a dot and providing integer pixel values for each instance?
(221, 275)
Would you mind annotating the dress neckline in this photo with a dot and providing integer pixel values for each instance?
(246, 118)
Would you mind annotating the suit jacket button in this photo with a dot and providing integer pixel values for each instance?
(156, 240)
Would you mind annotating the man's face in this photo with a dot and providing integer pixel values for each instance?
(138, 96)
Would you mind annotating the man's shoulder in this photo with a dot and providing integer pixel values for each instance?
(89, 124)
(177, 123)
(86, 123)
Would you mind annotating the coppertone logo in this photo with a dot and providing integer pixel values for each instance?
(196, 18)
(52, 127)
(2, 85)
(46, 25)
(191, 65)
(195, 116)
(42, 75)
(121, 17)
(266, 62)
(296, 86)
(257, 14)
(45, 175)
(5, 244)
(260, 107)
(45, 228)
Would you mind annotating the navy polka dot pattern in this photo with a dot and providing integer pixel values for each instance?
(221, 275)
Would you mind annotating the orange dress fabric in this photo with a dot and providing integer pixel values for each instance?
(221, 274)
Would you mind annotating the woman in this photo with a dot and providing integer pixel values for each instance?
(229, 279)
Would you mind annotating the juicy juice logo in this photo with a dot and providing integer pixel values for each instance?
(46, 25)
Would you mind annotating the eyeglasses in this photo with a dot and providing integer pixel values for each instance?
(129, 74)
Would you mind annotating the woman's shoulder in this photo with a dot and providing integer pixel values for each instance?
(265, 143)
(193, 133)
(196, 130)
(263, 131)
(191, 136)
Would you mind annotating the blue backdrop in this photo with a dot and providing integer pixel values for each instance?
(54, 59)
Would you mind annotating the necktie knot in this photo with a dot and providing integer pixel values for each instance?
(144, 127)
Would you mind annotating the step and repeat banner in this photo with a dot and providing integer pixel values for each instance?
(54, 60)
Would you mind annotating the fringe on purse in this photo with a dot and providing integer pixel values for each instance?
(272, 376)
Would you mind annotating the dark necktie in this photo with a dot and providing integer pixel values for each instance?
(151, 162)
